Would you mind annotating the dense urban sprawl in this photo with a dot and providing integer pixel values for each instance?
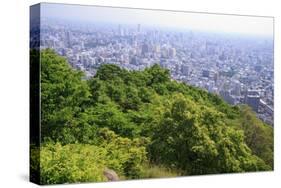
(239, 68)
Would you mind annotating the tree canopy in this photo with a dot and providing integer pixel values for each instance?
(131, 120)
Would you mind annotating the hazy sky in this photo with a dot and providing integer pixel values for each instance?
(207, 22)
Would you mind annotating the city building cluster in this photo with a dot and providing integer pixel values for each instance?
(237, 67)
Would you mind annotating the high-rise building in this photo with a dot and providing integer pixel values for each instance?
(157, 48)
(144, 49)
(236, 88)
(225, 94)
(68, 39)
(252, 98)
(185, 69)
(205, 73)
(253, 101)
(172, 52)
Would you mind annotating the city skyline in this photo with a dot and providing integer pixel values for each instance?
(239, 69)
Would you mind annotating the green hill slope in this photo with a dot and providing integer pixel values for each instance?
(137, 121)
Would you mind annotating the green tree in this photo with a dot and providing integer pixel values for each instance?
(258, 136)
(64, 95)
(109, 72)
(195, 139)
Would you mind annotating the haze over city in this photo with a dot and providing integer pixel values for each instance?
(229, 55)
(250, 25)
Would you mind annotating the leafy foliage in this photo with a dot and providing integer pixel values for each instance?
(83, 162)
(64, 95)
(259, 136)
(140, 124)
(195, 139)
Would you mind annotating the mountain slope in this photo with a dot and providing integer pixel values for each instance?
(173, 125)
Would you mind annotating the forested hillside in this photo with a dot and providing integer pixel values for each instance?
(141, 124)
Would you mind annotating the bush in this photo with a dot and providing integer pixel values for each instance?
(85, 163)
(71, 163)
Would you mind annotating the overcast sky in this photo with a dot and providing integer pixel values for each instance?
(198, 21)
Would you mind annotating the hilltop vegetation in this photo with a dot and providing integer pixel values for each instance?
(141, 124)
